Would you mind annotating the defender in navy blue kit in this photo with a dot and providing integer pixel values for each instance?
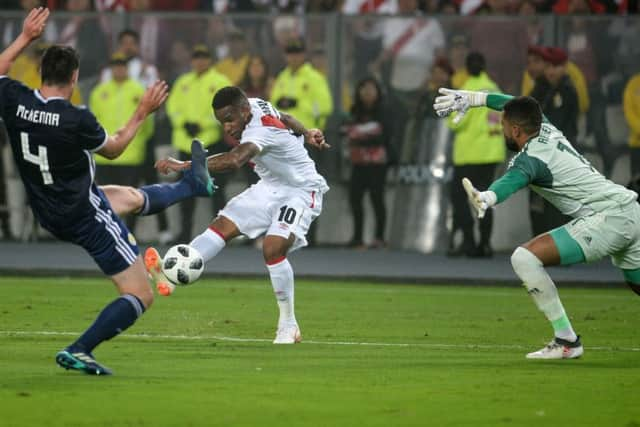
(52, 143)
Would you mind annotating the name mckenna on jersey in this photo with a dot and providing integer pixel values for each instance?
(37, 116)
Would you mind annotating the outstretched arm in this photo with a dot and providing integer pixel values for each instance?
(32, 28)
(460, 101)
(151, 100)
(223, 162)
(313, 137)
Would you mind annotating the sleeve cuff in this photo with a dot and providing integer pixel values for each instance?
(99, 147)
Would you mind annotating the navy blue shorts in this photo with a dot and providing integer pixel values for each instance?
(103, 234)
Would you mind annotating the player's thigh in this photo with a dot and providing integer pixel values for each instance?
(103, 235)
(628, 257)
(124, 200)
(597, 235)
(251, 210)
(294, 214)
(133, 280)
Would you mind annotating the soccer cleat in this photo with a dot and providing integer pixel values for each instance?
(288, 335)
(198, 175)
(559, 349)
(153, 264)
(81, 361)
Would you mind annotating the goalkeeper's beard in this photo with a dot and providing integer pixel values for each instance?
(511, 144)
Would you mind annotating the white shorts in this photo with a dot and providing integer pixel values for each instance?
(615, 232)
(274, 211)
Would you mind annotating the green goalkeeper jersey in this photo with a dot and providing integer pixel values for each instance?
(551, 167)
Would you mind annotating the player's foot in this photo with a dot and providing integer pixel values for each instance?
(198, 176)
(559, 349)
(81, 361)
(288, 335)
(153, 264)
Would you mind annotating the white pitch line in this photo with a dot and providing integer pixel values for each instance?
(314, 342)
(427, 290)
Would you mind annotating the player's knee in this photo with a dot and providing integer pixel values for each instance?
(273, 250)
(522, 259)
(136, 200)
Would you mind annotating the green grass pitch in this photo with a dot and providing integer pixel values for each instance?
(372, 355)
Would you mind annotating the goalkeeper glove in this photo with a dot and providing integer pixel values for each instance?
(480, 200)
(457, 100)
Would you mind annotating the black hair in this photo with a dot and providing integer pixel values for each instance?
(128, 33)
(58, 64)
(229, 95)
(359, 109)
(246, 79)
(475, 63)
(525, 112)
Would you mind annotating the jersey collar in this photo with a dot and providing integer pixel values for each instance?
(43, 99)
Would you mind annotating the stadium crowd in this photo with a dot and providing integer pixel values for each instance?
(462, 7)
(371, 88)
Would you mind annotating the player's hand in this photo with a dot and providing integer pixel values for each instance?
(315, 138)
(480, 200)
(457, 100)
(35, 22)
(168, 165)
(153, 97)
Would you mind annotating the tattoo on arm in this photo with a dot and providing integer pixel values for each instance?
(233, 160)
(293, 124)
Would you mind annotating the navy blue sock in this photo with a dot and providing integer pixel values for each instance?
(158, 197)
(113, 319)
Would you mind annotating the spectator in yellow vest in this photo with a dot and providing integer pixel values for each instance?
(478, 150)
(189, 110)
(113, 102)
(632, 114)
(235, 64)
(301, 90)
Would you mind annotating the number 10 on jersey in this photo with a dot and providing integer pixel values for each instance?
(42, 160)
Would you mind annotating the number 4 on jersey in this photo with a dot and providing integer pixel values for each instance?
(42, 160)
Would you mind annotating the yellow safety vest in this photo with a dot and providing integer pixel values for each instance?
(113, 103)
(190, 101)
(311, 91)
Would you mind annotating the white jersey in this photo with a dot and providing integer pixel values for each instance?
(562, 176)
(283, 160)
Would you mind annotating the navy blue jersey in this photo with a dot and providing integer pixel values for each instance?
(52, 141)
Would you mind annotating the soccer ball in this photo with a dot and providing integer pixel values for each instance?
(182, 264)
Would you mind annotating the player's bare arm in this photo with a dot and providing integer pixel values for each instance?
(32, 28)
(313, 137)
(218, 163)
(151, 100)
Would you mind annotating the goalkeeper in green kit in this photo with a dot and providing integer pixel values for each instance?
(606, 216)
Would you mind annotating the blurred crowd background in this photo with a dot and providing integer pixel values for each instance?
(366, 72)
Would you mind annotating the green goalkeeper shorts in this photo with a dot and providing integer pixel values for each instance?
(615, 232)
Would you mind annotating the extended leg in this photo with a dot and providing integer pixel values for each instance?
(208, 244)
(151, 199)
(528, 262)
(275, 250)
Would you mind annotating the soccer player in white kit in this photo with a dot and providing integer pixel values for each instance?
(281, 205)
(606, 215)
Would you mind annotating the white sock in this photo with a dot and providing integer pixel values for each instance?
(208, 244)
(281, 275)
(544, 293)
